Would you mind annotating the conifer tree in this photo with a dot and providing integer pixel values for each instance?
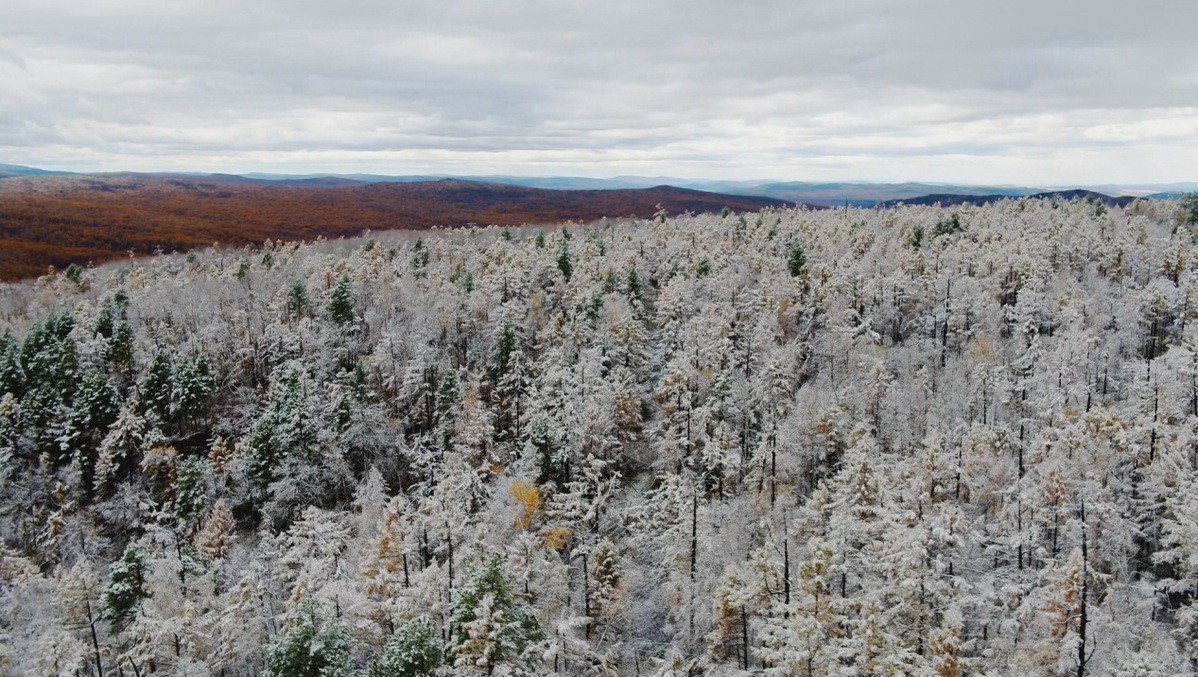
(414, 651)
(489, 627)
(341, 302)
(315, 646)
(125, 589)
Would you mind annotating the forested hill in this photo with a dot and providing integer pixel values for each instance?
(81, 219)
(954, 199)
(843, 442)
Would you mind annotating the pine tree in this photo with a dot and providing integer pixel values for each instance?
(191, 489)
(297, 303)
(414, 651)
(125, 589)
(123, 441)
(796, 259)
(505, 346)
(341, 302)
(10, 364)
(488, 627)
(120, 350)
(192, 387)
(284, 430)
(315, 646)
(156, 389)
(563, 260)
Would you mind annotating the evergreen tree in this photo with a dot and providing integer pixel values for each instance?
(414, 651)
(635, 292)
(111, 314)
(156, 389)
(563, 260)
(192, 386)
(488, 627)
(96, 406)
(796, 259)
(341, 302)
(10, 364)
(1189, 208)
(505, 346)
(120, 349)
(284, 429)
(298, 304)
(419, 255)
(126, 587)
(191, 489)
(315, 646)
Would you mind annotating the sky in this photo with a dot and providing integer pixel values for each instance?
(1026, 92)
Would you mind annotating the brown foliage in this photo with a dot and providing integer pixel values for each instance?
(56, 221)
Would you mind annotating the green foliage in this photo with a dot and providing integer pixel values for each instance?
(463, 278)
(488, 627)
(591, 308)
(505, 345)
(284, 428)
(112, 312)
(10, 364)
(191, 489)
(192, 387)
(948, 226)
(120, 349)
(796, 258)
(73, 273)
(49, 357)
(125, 590)
(506, 234)
(156, 388)
(540, 239)
(544, 442)
(243, 269)
(703, 269)
(419, 254)
(563, 261)
(298, 303)
(609, 281)
(1189, 208)
(43, 375)
(316, 646)
(635, 290)
(341, 302)
(449, 391)
(916, 238)
(96, 403)
(414, 651)
(94, 408)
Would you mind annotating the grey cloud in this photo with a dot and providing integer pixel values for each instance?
(699, 84)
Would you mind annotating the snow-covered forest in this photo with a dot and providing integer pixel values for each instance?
(848, 442)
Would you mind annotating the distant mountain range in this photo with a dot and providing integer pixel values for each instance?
(7, 171)
(856, 194)
(949, 200)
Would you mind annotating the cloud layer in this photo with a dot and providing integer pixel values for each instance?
(824, 90)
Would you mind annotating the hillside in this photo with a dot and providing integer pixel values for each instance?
(788, 443)
(954, 199)
(56, 221)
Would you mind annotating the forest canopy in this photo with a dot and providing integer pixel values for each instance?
(890, 441)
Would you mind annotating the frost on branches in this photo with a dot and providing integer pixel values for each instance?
(843, 442)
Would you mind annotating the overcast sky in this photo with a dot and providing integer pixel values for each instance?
(1018, 91)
